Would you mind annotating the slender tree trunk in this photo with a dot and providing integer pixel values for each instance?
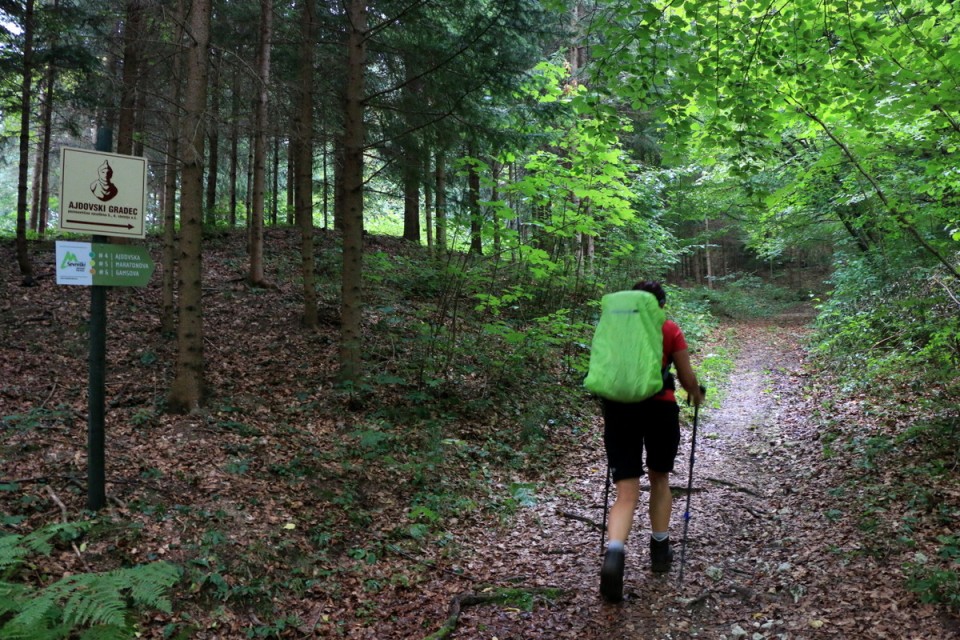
(248, 196)
(411, 157)
(706, 253)
(234, 143)
(304, 164)
(187, 390)
(38, 162)
(496, 168)
(213, 164)
(132, 35)
(351, 312)
(139, 121)
(275, 201)
(260, 145)
(473, 206)
(338, 195)
(44, 201)
(291, 181)
(26, 96)
(411, 196)
(326, 187)
(168, 255)
(428, 208)
(441, 205)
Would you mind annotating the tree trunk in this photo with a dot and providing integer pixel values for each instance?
(338, 199)
(260, 145)
(187, 390)
(494, 198)
(38, 162)
(234, 143)
(303, 146)
(291, 181)
(706, 253)
(168, 254)
(428, 208)
(26, 95)
(44, 201)
(473, 206)
(441, 204)
(411, 196)
(132, 37)
(326, 187)
(275, 200)
(351, 310)
(213, 165)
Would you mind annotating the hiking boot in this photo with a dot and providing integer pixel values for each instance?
(611, 576)
(661, 555)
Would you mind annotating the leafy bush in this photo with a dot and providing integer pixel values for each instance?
(93, 605)
(884, 318)
(747, 296)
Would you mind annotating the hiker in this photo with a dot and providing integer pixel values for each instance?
(652, 425)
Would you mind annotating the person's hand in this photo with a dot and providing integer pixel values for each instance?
(697, 396)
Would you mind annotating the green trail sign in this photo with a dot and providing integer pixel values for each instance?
(100, 264)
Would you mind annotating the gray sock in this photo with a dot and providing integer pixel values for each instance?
(660, 536)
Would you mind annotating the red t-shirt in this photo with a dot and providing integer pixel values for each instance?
(673, 341)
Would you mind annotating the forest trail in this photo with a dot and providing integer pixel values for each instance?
(763, 559)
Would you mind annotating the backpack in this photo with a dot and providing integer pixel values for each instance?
(626, 354)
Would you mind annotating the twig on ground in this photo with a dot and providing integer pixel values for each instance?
(457, 603)
(735, 487)
(575, 516)
(50, 395)
(699, 600)
(59, 502)
(754, 512)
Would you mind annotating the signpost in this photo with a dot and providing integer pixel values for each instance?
(99, 264)
(103, 194)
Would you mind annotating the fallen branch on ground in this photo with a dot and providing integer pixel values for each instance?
(735, 487)
(575, 516)
(457, 603)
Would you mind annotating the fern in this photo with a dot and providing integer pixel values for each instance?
(100, 605)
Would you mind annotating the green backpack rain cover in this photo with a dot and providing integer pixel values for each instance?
(626, 355)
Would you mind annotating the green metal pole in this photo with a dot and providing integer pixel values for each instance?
(96, 468)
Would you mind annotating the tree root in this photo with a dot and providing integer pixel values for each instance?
(575, 516)
(458, 602)
(735, 487)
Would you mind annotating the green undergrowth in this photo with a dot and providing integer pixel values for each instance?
(744, 296)
(889, 334)
(903, 491)
(84, 605)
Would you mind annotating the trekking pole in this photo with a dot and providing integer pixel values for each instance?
(606, 503)
(686, 513)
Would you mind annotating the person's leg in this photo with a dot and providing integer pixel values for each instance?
(621, 514)
(662, 443)
(661, 501)
(624, 448)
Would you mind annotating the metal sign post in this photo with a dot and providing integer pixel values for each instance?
(105, 194)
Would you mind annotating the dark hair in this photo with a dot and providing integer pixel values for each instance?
(653, 287)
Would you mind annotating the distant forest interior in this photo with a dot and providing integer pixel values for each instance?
(297, 300)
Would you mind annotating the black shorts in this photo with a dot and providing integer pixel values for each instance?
(629, 429)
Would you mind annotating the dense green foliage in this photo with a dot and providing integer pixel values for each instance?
(84, 605)
(885, 322)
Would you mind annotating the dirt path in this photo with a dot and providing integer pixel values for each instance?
(763, 559)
